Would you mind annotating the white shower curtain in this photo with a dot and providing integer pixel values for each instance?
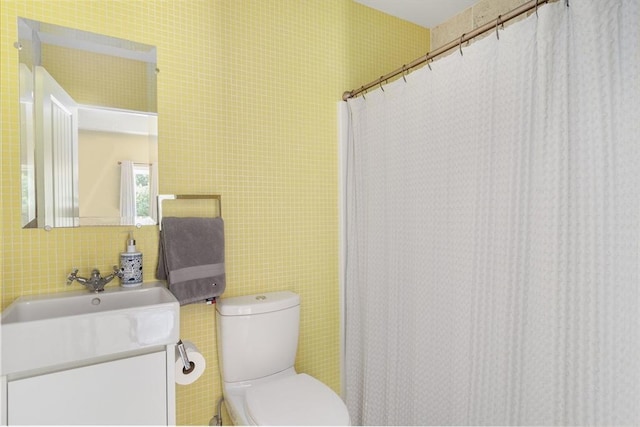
(492, 229)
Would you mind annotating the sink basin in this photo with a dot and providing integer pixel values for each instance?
(70, 327)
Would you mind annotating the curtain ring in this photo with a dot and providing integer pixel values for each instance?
(381, 83)
(460, 44)
(429, 64)
(426, 59)
(498, 24)
(363, 92)
(403, 71)
(536, 8)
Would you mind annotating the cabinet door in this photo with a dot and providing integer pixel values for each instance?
(126, 391)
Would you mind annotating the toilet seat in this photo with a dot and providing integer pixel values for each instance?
(295, 400)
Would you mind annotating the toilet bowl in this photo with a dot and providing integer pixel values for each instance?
(257, 344)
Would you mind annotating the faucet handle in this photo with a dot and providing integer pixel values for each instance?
(117, 272)
(72, 276)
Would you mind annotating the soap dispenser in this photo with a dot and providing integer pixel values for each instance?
(130, 265)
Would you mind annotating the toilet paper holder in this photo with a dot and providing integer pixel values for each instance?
(188, 365)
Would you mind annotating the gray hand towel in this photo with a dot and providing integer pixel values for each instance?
(191, 258)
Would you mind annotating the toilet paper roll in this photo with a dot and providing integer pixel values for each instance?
(184, 377)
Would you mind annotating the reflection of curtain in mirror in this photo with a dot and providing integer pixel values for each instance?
(127, 193)
(153, 191)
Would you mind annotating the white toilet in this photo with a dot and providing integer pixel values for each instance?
(257, 344)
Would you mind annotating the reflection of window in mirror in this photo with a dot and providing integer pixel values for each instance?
(138, 190)
(141, 174)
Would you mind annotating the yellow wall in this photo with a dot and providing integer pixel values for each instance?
(247, 95)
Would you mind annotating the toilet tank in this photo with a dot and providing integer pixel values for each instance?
(257, 334)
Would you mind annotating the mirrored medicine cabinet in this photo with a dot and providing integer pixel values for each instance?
(88, 128)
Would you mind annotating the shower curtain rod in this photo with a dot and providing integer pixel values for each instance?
(489, 26)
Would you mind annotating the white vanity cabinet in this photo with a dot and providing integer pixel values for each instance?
(128, 391)
(85, 358)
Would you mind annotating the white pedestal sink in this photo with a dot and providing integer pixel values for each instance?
(71, 327)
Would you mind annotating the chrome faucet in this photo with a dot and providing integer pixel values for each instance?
(95, 283)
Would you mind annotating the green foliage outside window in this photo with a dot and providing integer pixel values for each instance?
(142, 194)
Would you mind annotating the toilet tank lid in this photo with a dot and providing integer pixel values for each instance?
(256, 304)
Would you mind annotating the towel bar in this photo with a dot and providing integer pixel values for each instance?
(163, 197)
